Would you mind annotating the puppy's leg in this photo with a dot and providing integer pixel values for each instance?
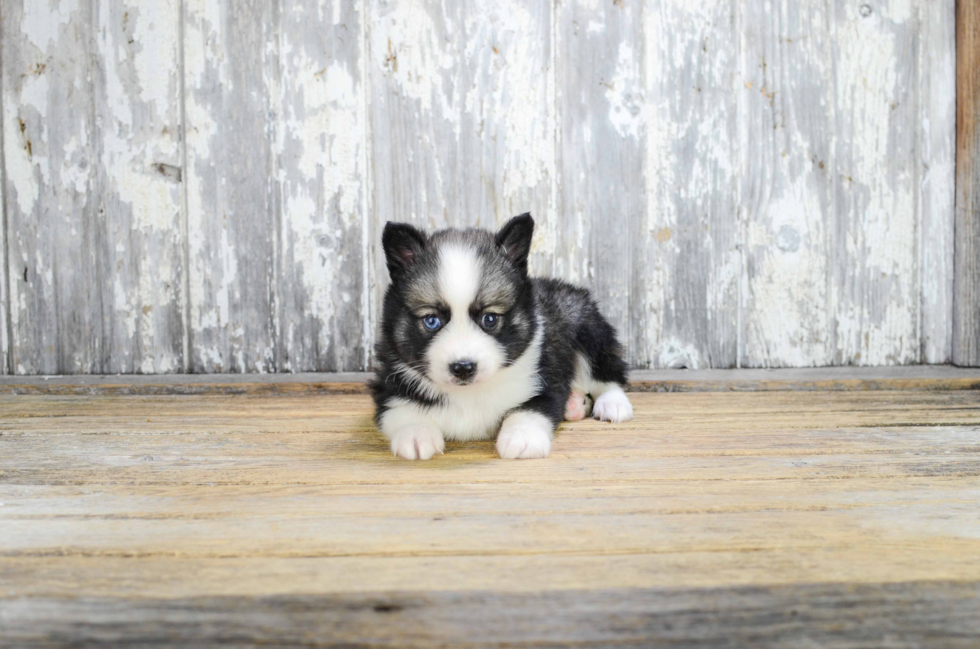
(611, 402)
(600, 369)
(603, 375)
(412, 435)
(527, 431)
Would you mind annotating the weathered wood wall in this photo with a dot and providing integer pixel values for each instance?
(200, 186)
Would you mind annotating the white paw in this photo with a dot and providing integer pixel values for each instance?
(417, 442)
(525, 435)
(613, 405)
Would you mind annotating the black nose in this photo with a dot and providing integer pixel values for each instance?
(463, 370)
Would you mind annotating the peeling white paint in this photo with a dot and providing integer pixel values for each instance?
(676, 354)
(880, 326)
(786, 305)
(406, 43)
(936, 163)
(42, 22)
(139, 132)
(510, 102)
(474, 92)
(625, 94)
(201, 29)
(322, 198)
(20, 163)
(786, 174)
(155, 29)
(4, 299)
(898, 11)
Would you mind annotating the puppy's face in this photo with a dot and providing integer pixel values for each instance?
(460, 306)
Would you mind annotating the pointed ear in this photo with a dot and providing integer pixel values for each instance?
(402, 244)
(514, 240)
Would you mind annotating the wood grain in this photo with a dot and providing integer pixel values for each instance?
(780, 516)
(53, 194)
(670, 152)
(139, 154)
(832, 615)
(599, 59)
(92, 145)
(875, 281)
(321, 285)
(966, 301)
(936, 176)
(415, 111)
(785, 105)
(508, 121)
(684, 305)
(4, 268)
(232, 104)
(463, 119)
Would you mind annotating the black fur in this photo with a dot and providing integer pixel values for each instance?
(571, 319)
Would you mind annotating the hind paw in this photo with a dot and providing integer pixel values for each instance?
(577, 406)
(613, 405)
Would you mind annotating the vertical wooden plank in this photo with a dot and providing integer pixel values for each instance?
(599, 54)
(875, 289)
(4, 269)
(936, 169)
(462, 125)
(508, 119)
(91, 144)
(137, 93)
(322, 166)
(231, 95)
(415, 127)
(786, 128)
(414, 119)
(685, 280)
(966, 309)
(409, 53)
(52, 196)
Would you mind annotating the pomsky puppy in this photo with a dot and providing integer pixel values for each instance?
(470, 345)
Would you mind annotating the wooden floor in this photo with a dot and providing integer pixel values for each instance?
(790, 519)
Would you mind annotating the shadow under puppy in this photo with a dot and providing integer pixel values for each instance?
(470, 345)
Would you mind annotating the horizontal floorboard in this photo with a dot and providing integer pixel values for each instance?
(898, 615)
(720, 519)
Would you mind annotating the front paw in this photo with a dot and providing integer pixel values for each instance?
(525, 435)
(417, 442)
(613, 405)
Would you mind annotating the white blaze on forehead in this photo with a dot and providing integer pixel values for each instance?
(460, 272)
(459, 278)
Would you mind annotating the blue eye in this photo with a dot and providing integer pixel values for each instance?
(490, 320)
(432, 322)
